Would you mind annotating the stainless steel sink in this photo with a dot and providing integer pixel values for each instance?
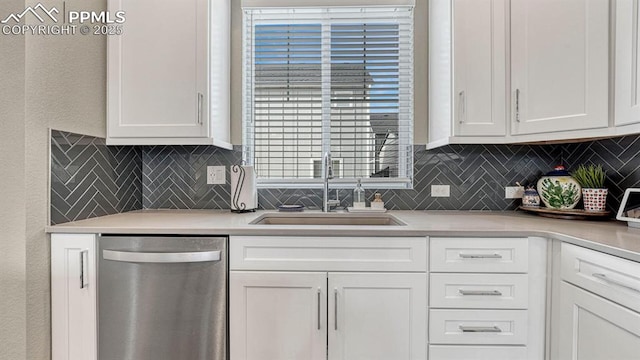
(338, 219)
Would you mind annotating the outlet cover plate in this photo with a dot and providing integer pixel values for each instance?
(513, 192)
(440, 191)
(216, 175)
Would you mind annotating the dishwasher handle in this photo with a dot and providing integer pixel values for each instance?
(161, 257)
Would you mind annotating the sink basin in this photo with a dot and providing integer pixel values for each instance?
(337, 219)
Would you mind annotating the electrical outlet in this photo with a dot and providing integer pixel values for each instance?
(216, 175)
(440, 191)
(513, 192)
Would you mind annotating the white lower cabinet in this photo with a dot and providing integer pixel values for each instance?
(487, 298)
(377, 316)
(278, 315)
(479, 291)
(347, 316)
(73, 297)
(596, 315)
(593, 328)
(294, 298)
(478, 327)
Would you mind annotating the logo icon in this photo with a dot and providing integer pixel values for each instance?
(35, 11)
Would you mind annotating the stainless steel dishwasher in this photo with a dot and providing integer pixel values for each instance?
(162, 298)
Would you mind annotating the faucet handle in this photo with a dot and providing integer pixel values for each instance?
(333, 203)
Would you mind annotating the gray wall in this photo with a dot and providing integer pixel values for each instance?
(12, 192)
(53, 82)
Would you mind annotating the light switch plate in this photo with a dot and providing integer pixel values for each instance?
(216, 175)
(440, 191)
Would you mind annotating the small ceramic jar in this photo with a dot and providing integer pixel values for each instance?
(531, 197)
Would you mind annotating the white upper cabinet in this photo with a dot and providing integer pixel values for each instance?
(467, 71)
(503, 72)
(559, 65)
(168, 73)
(479, 57)
(627, 78)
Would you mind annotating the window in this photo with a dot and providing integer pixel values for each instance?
(333, 79)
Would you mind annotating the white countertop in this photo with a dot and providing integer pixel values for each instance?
(612, 237)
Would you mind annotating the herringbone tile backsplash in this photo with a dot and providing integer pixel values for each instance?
(618, 156)
(174, 177)
(90, 179)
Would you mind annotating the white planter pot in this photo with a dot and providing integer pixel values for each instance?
(595, 199)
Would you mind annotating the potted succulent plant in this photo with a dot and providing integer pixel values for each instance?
(594, 193)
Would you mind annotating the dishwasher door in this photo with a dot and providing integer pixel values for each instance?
(162, 298)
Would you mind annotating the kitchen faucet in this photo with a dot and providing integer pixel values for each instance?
(328, 175)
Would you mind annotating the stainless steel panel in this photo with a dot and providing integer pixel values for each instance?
(162, 310)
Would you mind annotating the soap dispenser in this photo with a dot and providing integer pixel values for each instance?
(358, 196)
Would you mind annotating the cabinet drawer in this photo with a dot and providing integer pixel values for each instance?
(408, 254)
(444, 352)
(479, 255)
(609, 276)
(478, 327)
(479, 291)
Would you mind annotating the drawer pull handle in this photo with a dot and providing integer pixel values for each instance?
(480, 329)
(480, 256)
(479, 292)
(606, 279)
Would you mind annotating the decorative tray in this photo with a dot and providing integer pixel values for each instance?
(572, 214)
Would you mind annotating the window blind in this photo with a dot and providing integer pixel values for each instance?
(336, 80)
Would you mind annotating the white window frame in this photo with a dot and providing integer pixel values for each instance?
(405, 137)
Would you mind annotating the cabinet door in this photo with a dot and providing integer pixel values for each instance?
(593, 328)
(157, 70)
(559, 65)
(278, 315)
(480, 87)
(627, 62)
(377, 316)
(73, 297)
